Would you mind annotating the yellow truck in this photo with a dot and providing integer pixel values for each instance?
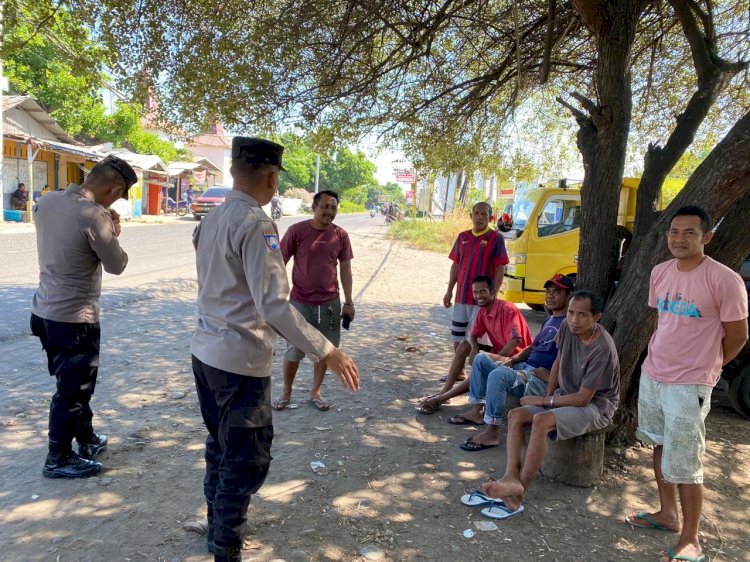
(543, 238)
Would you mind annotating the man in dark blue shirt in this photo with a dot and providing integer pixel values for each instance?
(525, 373)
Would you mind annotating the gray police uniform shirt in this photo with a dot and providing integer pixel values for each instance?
(243, 292)
(75, 237)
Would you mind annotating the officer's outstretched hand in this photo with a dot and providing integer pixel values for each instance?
(341, 364)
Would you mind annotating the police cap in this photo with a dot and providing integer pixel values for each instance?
(122, 168)
(257, 151)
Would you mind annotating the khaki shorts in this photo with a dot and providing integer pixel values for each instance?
(326, 318)
(673, 415)
(572, 421)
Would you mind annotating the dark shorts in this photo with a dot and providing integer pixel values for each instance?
(326, 318)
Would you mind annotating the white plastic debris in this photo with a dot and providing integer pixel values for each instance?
(317, 467)
(485, 526)
(468, 533)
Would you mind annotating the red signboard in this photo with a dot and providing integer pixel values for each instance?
(409, 198)
(406, 176)
(506, 192)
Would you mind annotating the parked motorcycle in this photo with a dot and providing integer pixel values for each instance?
(181, 207)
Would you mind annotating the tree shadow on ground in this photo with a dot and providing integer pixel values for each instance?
(393, 477)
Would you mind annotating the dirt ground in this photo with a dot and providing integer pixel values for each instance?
(393, 478)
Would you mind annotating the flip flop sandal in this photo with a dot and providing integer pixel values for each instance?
(470, 445)
(684, 557)
(278, 404)
(321, 405)
(477, 499)
(460, 420)
(649, 522)
(501, 512)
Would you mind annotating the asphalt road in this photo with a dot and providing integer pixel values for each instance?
(157, 253)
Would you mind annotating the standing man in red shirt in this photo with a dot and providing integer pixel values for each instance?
(479, 251)
(317, 246)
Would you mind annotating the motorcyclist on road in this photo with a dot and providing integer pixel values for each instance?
(276, 207)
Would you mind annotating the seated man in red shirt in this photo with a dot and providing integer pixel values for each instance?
(506, 329)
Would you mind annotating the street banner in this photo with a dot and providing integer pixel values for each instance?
(405, 176)
(409, 198)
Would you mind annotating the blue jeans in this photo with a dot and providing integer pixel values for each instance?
(491, 384)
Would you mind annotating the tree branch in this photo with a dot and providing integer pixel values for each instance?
(549, 40)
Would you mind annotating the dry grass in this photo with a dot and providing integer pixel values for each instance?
(434, 236)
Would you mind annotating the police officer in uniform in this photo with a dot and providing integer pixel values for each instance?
(76, 236)
(242, 305)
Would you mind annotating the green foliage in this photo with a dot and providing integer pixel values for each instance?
(347, 170)
(299, 161)
(62, 68)
(392, 191)
(475, 196)
(183, 155)
(350, 207)
(59, 66)
(357, 195)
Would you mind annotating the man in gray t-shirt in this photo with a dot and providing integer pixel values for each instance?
(582, 395)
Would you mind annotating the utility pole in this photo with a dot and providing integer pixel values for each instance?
(3, 87)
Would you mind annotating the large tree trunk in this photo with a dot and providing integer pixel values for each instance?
(721, 185)
(602, 136)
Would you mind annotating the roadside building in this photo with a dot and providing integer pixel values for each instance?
(146, 196)
(216, 146)
(37, 151)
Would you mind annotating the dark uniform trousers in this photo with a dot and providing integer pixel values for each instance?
(237, 412)
(73, 359)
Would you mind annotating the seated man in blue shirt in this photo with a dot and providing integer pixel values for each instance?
(525, 373)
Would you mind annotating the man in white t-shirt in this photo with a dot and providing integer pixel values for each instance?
(702, 325)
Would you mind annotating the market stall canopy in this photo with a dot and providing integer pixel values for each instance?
(198, 165)
(146, 162)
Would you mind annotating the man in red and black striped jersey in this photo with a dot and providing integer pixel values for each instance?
(479, 251)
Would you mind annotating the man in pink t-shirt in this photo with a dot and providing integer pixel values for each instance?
(702, 325)
(317, 246)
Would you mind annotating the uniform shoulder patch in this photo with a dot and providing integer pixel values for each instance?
(272, 238)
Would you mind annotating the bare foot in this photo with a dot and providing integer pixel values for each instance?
(508, 490)
(490, 436)
(474, 416)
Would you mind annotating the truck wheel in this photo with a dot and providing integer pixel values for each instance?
(739, 392)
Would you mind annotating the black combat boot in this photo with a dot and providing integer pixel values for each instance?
(90, 449)
(69, 465)
(227, 553)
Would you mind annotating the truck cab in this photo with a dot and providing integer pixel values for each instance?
(545, 235)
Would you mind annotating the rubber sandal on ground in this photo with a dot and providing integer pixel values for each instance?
(682, 557)
(321, 405)
(647, 522)
(278, 404)
(501, 512)
(460, 420)
(471, 445)
(480, 499)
